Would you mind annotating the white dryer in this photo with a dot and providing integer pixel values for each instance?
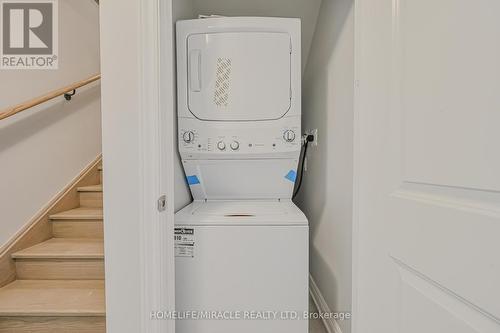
(242, 245)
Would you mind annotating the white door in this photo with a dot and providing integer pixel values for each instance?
(427, 202)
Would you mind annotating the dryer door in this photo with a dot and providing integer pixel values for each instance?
(239, 76)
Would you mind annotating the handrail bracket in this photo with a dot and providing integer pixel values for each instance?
(68, 95)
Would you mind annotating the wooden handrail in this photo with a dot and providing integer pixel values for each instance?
(10, 111)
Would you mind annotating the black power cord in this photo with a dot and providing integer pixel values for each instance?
(308, 138)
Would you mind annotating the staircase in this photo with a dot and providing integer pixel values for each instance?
(59, 284)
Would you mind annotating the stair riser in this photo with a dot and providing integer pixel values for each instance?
(91, 199)
(52, 324)
(77, 229)
(59, 269)
(100, 176)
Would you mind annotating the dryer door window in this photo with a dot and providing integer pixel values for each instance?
(239, 76)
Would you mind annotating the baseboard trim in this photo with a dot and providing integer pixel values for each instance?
(330, 323)
(38, 228)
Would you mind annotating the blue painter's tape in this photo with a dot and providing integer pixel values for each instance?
(192, 180)
(291, 176)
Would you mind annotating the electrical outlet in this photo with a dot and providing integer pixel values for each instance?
(313, 132)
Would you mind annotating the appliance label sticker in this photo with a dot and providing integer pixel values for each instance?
(184, 242)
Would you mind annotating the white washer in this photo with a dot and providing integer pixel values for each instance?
(242, 245)
(247, 257)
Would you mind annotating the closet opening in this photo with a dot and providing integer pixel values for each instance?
(327, 112)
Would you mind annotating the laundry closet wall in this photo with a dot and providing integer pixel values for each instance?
(326, 194)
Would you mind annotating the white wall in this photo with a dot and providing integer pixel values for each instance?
(181, 10)
(137, 112)
(121, 107)
(306, 10)
(43, 149)
(326, 194)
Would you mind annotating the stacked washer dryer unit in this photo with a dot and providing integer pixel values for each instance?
(242, 245)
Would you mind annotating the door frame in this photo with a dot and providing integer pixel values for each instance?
(138, 150)
(358, 34)
(361, 25)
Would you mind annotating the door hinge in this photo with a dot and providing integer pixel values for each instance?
(162, 203)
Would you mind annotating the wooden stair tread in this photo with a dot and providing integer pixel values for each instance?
(80, 213)
(64, 248)
(90, 188)
(53, 298)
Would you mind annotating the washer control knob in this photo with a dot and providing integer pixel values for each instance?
(221, 145)
(235, 145)
(289, 135)
(188, 136)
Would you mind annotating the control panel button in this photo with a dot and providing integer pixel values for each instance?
(188, 136)
(289, 135)
(221, 145)
(235, 145)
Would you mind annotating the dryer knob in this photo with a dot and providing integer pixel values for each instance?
(289, 135)
(221, 145)
(188, 136)
(235, 145)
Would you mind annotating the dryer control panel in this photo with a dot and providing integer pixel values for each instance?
(239, 140)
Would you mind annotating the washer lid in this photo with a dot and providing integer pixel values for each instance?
(239, 76)
(248, 212)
